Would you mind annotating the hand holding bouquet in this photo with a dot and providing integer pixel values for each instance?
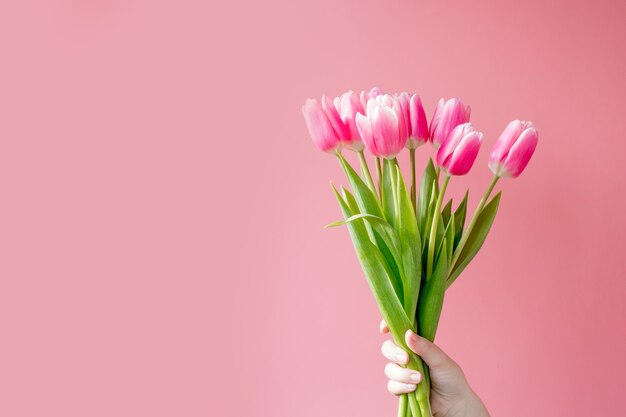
(410, 244)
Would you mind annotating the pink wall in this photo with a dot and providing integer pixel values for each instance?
(161, 205)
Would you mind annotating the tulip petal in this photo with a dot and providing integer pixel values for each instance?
(333, 117)
(521, 152)
(401, 108)
(385, 131)
(449, 144)
(349, 107)
(447, 116)
(417, 116)
(364, 126)
(320, 128)
(465, 154)
(503, 145)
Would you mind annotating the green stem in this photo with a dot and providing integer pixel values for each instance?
(368, 227)
(419, 400)
(414, 407)
(422, 392)
(379, 175)
(402, 406)
(366, 171)
(413, 185)
(471, 224)
(394, 187)
(433, 228)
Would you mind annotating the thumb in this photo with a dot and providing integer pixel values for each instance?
(430, 353)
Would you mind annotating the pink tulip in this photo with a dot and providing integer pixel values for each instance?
(348, 105)
(414, 119)
(381, 129)
(458, 152)
(332, 112)
(373, 93)
(320, 127)
(448, 115)
(513, 149)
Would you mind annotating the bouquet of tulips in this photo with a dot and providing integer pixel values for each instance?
(410, 245)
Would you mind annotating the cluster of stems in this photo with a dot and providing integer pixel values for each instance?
(417, 403)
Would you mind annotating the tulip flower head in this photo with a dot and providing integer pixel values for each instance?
(348, 106)
(414, 119)
(382, 130)
(320, 127)
(459, 151)
(448, 115)
(366, 95)
(335, 119)
(513, 149)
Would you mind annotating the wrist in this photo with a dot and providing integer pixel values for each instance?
(467, 404)
(474, 406)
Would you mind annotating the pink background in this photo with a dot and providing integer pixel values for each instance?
(161, 205)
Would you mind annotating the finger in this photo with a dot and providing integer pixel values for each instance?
(383, 327)
(399, 388)
(394, 353)
(432, 355)
(397, 373)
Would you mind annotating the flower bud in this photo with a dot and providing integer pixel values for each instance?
(320, 128)
(513, 149)
(381, 129)
(458, 152)
(448, 115)
(348, 105)
(414, 118)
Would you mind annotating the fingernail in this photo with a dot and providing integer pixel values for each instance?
(415, 377)
(410, 387)
(401, 357)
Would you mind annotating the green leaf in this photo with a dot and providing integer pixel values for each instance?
(410, 245)
(365, 197)
(350, 200)
(447, 210)
(387, 194)
(447, 240)
(459, 216)
(450, 238)
(440, 226)
(377, 274)
(428, 224)
(369, 217)
(386, 240)
(390, 250)
(431, 299)
(477, 237)
(427, 184)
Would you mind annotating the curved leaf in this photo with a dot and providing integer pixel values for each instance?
(377, 275)
(410, 245)
(387, 192)
(446, 211)
(365, 197)
(459, 215)
(477, 237)
(431, 299)
(368, 217)
(427, 184)
(386, 240)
